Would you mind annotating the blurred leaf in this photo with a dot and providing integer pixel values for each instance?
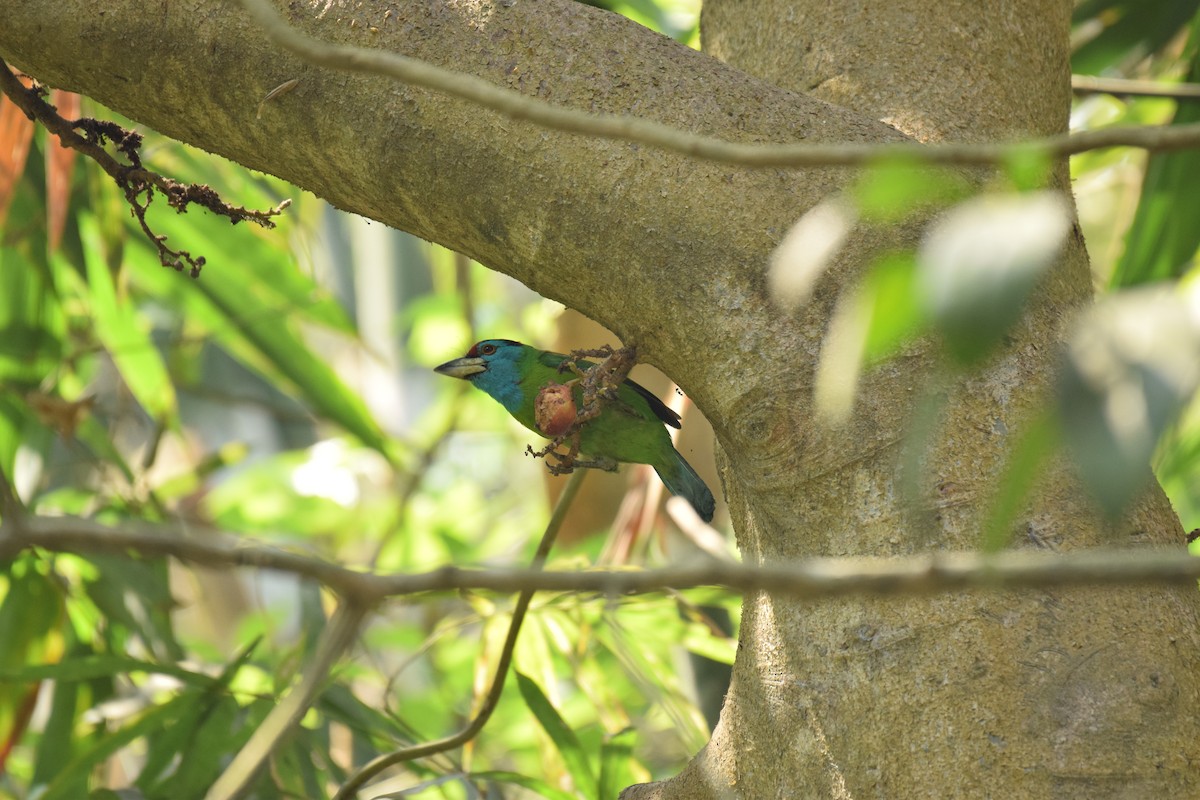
(807, 249)
(256, 325)
(1028, 168)
(1028, 454)
(94, 666)
(1163, 237)
(265, 496)
(60, 163)
(67, 783)
(897, 189)
(897, 312)
(560, 733)
(16, 132)
(30, 619)
(32, 329)
(979, 262)
(1131, 30)
(186, 754)
(119, 328)
(136, 594)
(532, 784)
(615, 755)
(1132, 364)
(701, 641)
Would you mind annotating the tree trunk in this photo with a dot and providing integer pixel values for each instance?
(1064, 694)
(1052, 694)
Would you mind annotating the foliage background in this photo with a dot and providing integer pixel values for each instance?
(287, 395)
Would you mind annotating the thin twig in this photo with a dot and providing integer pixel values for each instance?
(133, 179)
(625, 128)
(374, 767)
(1128, 87)
(339, 634)
(811, 579)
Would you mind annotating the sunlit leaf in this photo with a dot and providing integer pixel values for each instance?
(1163, 237)
(121, 330)
(564, 738)
(615, 756)
(897, 311)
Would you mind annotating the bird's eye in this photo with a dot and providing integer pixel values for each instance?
(488, 349)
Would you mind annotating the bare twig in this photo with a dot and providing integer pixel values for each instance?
(611, 126)
(89, 136)
(338, 636)
(1091, 84)
(811, 579)
(371, 769)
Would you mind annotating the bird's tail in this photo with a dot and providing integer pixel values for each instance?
(682, 480)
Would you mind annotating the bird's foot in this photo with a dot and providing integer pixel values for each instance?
(606, 464)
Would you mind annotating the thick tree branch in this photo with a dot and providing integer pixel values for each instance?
(632, 129)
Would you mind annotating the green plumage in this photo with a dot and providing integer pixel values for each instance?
(631, 431)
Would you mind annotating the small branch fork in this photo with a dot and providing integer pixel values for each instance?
(601, 384)
(89, 136)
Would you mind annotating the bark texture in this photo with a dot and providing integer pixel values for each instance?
(1067, 694)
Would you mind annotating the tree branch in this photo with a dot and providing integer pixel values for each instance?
(133, 179)
(632, 129)
(1091, 84)
(812, 579)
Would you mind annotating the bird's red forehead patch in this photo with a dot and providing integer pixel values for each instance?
(474, 351)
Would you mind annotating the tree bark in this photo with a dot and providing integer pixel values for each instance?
(1064, 694)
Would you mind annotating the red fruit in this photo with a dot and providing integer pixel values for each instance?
(554, 409)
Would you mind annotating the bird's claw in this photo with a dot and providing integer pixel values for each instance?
(600, 383)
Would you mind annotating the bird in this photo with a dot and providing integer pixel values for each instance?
(630, 430)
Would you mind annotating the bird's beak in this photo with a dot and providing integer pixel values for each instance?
(462, 367)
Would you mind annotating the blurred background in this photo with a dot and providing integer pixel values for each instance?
(287, 396)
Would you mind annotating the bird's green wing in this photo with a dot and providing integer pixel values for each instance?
(656, 406)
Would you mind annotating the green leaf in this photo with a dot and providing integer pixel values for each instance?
(257, 326)
(1163, 237)
(1028, 455)
(67, 783)
(532, 784)
(88, 668)
(119, 328)
(564, 738)
(896, 189)
(1133, 30)
(32, 326)
(615, 755)
(897, 312)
